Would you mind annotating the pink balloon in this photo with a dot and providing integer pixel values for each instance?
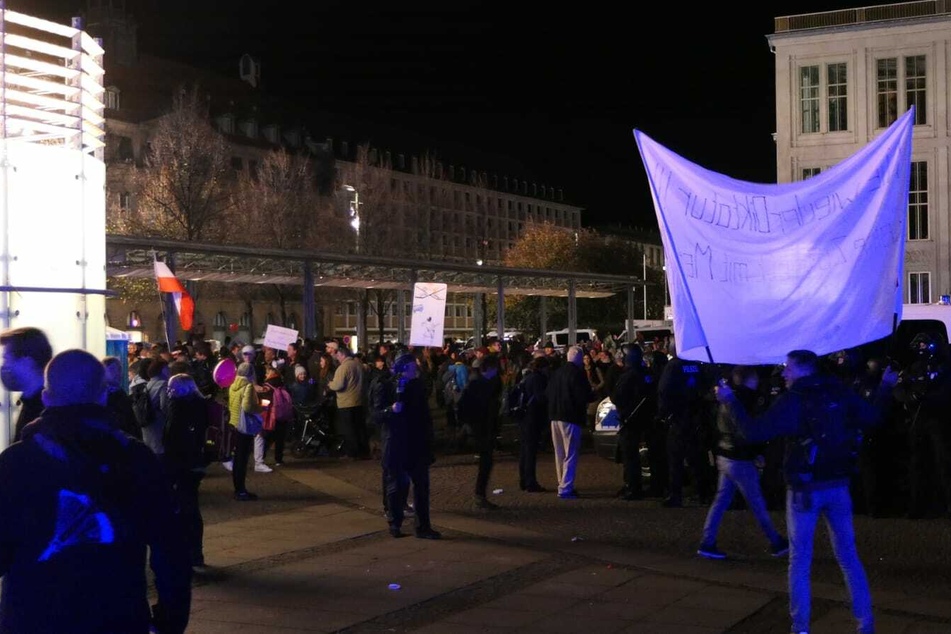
(225, 372)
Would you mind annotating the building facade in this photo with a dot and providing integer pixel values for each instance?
(842, 77)
(442, 209)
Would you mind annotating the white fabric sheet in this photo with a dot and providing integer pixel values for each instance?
(758, 270)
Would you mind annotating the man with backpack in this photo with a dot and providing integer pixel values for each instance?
(820, 419)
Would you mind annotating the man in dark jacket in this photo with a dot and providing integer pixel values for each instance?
(89, 503)
(401, 409)
(736, 464)
(478, 407)
(569, 393)
(26, 351)
(811, 414)
(532, 422)
(630, 396)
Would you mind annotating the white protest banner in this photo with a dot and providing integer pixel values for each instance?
(429, 314)
(758, 270)
(278, 337)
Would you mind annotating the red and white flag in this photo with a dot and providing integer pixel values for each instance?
(168, 283)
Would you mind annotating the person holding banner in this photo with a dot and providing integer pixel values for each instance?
(820, 417)
(736, 464)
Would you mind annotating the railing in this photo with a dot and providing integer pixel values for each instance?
(51, 83)
(862, 15)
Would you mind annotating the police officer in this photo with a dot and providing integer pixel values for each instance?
(682, 408)
(630, 396)
(925, 390)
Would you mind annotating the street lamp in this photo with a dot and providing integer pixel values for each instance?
(355, 213)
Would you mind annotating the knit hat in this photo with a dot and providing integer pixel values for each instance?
(249, 349)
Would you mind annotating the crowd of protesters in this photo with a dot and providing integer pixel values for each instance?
(698, 437)
(665, 405)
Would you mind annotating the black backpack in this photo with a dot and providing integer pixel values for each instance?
(142, 404)
(828, 448)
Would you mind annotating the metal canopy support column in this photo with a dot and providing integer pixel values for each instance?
(477, 319)
(500, 310)
(543, 318)
(630, 313)
(307, 300)
(572, 314)
(362, 319)
(401, 307)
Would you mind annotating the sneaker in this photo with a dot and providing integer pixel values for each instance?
(535, 488)
(228, 465)
(482, 503)
(710, 551)
(409, 511)
(396, 533)
(569, 495)
(245, 496)
(263, 468)
(780, 549)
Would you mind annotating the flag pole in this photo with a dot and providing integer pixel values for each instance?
(161, 301)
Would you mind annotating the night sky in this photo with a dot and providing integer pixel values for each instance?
(558, 90)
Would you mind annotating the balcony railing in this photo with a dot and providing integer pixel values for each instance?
(862, 15)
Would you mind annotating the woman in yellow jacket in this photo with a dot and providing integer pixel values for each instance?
(242, 397)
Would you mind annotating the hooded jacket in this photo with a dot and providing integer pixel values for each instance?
(242, 397)
(89, 502)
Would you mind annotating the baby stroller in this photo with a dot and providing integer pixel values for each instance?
(313, 432)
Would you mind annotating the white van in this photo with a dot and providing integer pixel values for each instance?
(560, 337)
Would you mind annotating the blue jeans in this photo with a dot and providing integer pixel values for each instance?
(802, 513)
(742, 475)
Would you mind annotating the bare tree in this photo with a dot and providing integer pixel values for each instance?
(184, 189)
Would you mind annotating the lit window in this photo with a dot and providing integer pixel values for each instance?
(809, 98)
(919, 288)
(916, 87)
(826, 103)
(913, 76)
(110, 98)
(837, 97)
(134, 320)
(918, 201)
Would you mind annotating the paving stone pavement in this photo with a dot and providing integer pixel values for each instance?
(318, 559)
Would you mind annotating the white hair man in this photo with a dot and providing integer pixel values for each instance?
(569, 393)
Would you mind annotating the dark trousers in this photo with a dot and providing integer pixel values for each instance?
(485, 470)
(629, 439)
(352, 425)
(930, 468)
(242, 451)
(657, 455)
(277, 437)
(529, 435)
(397, 489)
(185, 489)
(683, 444)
